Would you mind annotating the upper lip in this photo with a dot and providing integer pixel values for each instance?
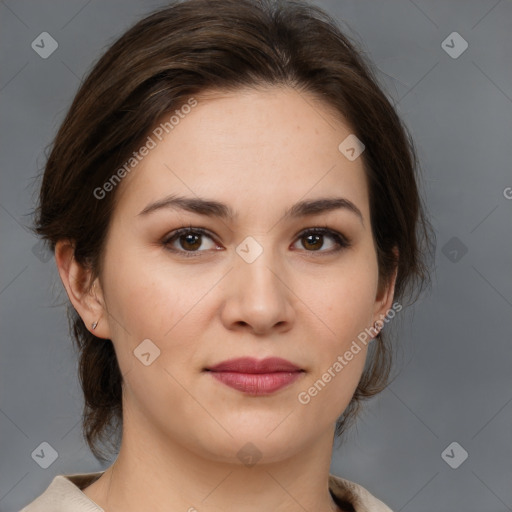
(251, 365)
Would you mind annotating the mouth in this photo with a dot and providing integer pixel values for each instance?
(256, 377)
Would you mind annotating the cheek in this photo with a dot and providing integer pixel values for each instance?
(156, 303)
(340, 355)
(346, 302)
(145, 301)
(345, 305)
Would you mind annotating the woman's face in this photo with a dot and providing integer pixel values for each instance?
(257, 284)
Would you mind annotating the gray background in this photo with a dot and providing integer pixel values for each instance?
(456, 381)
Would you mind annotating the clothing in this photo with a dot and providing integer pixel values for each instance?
(64, 494)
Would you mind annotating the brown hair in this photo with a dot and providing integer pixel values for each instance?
(178, 52)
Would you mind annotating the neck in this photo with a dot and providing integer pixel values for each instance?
(152, 472)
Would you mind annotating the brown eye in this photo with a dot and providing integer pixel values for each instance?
(313, 240)
(189, 240)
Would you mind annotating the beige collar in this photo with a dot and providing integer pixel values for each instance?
(64, 495)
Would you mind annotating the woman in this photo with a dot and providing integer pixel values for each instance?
(235, 216)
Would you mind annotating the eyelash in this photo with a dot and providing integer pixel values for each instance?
(341, 241)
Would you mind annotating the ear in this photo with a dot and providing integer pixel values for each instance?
(86, 297)
(385, 294)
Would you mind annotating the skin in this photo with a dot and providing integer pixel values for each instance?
(259, 151)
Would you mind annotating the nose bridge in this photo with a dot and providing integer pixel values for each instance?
(257, 265)
(259, 297)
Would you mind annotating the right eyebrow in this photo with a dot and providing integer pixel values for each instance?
(206, 207)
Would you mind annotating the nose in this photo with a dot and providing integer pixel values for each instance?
(257, 297)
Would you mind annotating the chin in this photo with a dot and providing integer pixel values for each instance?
(260, 442)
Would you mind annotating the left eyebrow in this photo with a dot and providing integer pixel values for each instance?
(322, 205)
(211, 208)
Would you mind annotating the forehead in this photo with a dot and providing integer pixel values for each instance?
(274, 145)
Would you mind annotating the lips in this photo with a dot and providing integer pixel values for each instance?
(251, 365)
(256, 377)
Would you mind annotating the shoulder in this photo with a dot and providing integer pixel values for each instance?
(64, 495)
(351, 493)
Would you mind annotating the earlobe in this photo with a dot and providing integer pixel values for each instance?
(76, 279)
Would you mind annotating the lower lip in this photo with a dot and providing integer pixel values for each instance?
(257, 383)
